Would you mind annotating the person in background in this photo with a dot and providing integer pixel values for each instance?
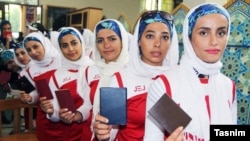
(74, 62)
(46, 59)
(153, 50)
(197, 85)
(88, 37)
(6, 37)
(20, 37)
(110, 54)
(37, 27)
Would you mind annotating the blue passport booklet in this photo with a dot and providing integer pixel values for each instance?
(113, 104)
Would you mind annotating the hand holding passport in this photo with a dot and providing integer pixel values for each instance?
(113, 105)
(24, 84)
(168, 114)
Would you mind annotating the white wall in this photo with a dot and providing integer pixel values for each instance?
(192, 3)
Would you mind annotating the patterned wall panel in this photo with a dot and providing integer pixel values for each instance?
(237, 55)
(179, 14)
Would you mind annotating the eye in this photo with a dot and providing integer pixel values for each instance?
(222, 33)
(64, 45)
(165, 37)
(112, 39)
(149, 36)
(203, 33)
(99, 41)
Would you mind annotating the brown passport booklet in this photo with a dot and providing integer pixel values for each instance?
(24, 84)
(43, 89)
(4, 77)
(113, 105)
(168, 114)
(65, 99)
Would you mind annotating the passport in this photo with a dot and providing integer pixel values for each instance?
(113, 104)
(24, 84)
(65, 99)
(43, 88)
(168, 114)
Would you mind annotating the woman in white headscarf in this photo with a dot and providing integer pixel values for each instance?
(153, 50)
(197, 85)
(73, 64)
(46, 59)
(110, 55)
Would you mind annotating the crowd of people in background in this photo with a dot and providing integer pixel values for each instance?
(146, 62)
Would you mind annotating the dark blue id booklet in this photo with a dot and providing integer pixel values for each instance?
(113, 104)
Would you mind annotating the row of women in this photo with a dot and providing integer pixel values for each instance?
(147, 64)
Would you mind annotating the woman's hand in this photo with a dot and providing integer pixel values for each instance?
(25, 97)
(101, 128)
(66, 116)
(46, 105)
(177, 135)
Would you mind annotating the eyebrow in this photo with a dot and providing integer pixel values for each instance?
(163, 32)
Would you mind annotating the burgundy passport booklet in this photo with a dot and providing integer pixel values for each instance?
(168, 114)
(65, 99)
(43, 89)
(113, 104)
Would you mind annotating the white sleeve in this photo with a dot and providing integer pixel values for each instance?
(153, 131)
(85, 108)
(34, 95)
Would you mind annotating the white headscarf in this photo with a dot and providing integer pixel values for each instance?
(83, 60)
(107, 70)
(51, 52)
(88, 37)
(142, 69)
(219, 87)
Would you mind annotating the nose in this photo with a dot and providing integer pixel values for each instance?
(106, 44)
(157, 42)
(213, 40)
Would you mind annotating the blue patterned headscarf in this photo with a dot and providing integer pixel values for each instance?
(30, 38)
(7, 55)
(66, 31)
(109, 24)
(202, 11)
(155, 16)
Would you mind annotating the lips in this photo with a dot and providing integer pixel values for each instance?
(213, 51)
(156, 54)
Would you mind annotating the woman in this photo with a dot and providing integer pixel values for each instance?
(46, 60)
(111, 55)
(22, 59)
(197, 85)
(74, 63)
(154, 50)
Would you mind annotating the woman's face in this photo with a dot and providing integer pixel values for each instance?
(21, 56)
(109, 45)
(154, 43)
(209, 37)
(35, 50)
(71, 47)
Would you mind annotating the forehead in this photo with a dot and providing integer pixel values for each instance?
(157, 26)
(69, 37)
(106, 32)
